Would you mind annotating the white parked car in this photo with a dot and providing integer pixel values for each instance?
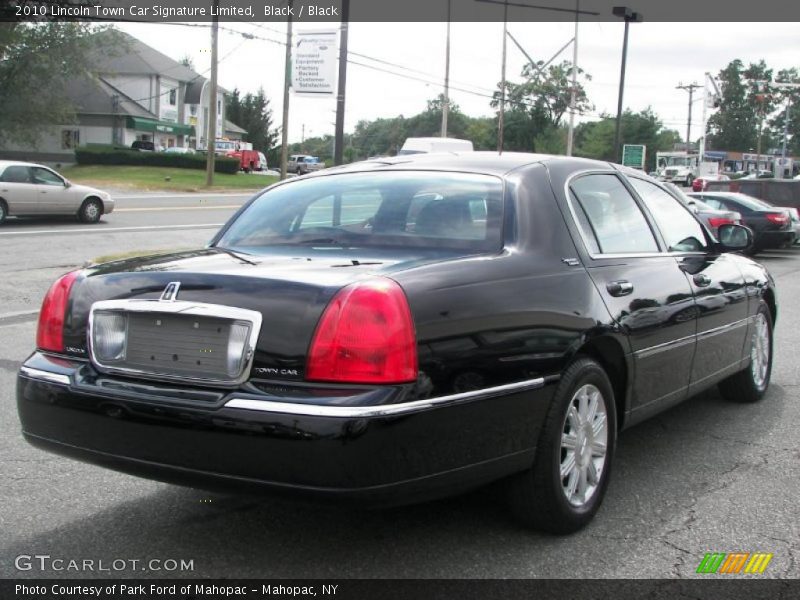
(28, 189)
(262, 162)
(179, 150)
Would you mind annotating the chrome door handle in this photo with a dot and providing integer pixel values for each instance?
(619, 288)
(701, 280)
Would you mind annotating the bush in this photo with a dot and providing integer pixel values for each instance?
(116, 155)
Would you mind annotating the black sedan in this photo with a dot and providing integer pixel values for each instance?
(403, 329)
(772, 227)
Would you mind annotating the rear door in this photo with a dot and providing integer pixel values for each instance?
(717, 284)
(19, 191)
(643, 287)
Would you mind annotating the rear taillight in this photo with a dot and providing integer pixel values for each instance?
(778, 218)
(715, 222)
(366, 335)
(50, 333)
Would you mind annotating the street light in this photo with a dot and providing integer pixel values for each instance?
(630, 16)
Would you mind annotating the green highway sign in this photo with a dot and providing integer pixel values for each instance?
(633, 155)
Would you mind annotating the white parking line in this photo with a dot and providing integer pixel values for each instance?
(109, 229)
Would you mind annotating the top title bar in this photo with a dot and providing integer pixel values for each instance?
(333, 11)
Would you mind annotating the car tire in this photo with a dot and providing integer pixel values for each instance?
(564, 488)
(750, 384)
(91, 211)
(3, 211)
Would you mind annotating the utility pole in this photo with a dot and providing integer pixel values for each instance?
(340, 96)
(500, 118)
(691, 87)
(287, 81)
(211, 136)
(786, 114)
(574, 91)
(446, 103)
(707, 78)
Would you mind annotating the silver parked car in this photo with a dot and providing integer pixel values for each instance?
(28, 189)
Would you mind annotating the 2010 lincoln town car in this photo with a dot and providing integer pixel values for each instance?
(402, 329)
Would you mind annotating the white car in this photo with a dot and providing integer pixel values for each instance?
(179, 150)
(28, 189)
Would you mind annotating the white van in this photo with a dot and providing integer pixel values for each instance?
(424, 145)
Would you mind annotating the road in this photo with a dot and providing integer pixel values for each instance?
(155, 222)
(705, 476)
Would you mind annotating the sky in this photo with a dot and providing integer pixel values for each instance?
(660, 57)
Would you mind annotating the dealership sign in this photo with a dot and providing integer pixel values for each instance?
(314, 63)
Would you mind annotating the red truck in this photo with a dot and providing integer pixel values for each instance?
(248, 159)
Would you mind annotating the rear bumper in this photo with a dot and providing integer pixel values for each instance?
(356, 446)
(774, 239)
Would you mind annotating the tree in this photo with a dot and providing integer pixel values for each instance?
(790, 97)
(37, 61)
(538, 105)
(746, 100)
(253, 114)
(187, 61)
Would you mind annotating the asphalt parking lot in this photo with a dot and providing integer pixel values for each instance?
(706, 476)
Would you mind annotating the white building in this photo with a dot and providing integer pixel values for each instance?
(134, 93)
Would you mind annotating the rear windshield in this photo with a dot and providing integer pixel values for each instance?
(386, 209)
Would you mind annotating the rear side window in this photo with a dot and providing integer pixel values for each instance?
(377, 209)
(609, 217)
(681, 231)
(16, 174)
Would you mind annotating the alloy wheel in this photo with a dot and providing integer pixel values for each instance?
(584, 445)
(759, 351)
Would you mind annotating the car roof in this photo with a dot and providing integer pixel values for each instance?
(9, 163)
(490, 163)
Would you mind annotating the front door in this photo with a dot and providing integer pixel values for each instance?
(717, 284)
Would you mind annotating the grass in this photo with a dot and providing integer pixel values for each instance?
(162, 178)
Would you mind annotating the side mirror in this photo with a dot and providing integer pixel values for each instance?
(693, 206)
(67, 183)
(734, 238)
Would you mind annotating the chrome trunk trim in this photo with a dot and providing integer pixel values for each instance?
(385, 410)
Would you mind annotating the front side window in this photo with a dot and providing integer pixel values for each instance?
(387, 209)
(46, 177)
(611, 221)
(681, 231)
